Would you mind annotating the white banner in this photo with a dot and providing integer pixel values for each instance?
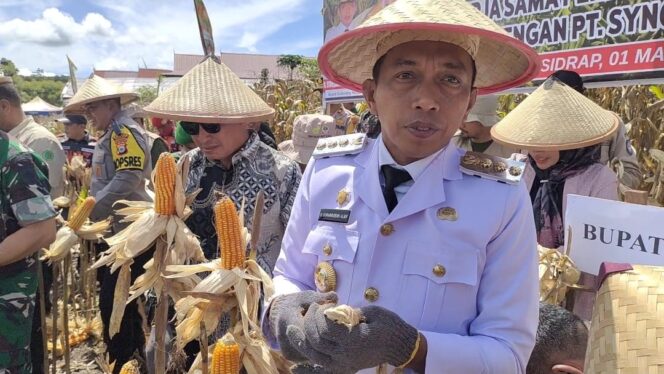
(613, 231)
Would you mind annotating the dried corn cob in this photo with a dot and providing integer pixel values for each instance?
(164, 183)
(81, 213)
(226, 356)
(229, 234)
(130, 367)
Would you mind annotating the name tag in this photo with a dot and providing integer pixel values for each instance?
(334, 215)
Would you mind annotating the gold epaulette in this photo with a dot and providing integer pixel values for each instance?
(491, 167)
(342, 145)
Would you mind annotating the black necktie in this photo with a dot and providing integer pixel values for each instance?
(393, 178)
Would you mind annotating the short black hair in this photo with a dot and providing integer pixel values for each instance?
(375, 72)
(9, 92)
(570, 78)
(561, 335)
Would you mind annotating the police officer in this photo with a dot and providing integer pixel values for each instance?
(26, 224)
(77, 140)
(120, 168)
(442, 265)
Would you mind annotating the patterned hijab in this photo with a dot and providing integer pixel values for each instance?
(550, 183)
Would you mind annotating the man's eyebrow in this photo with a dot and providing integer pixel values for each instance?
(448, 64)
(404, 62)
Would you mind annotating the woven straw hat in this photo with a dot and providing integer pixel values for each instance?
(627, 325)
(307, 129)
(555, 117)
(501, 60)
(485, 111)
(6, 80)
(210, 93)
(97, 89)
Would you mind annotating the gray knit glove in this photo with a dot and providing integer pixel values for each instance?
(382, 337)
(289, 310)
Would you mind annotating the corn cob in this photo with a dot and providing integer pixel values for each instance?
(130, 367)
(226, 356)
(164, 185)
(229, 234)
(81, 213)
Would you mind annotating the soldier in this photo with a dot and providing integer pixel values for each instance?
(77, 140)
(31, 134)
(441, 265)
(120, 168)
(26, 224)
(475, 132)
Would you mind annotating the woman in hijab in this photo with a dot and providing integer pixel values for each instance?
(562, 131)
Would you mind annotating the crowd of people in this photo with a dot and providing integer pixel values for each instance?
(442, 265)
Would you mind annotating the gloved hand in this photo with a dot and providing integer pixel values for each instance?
(382, 337)
(289, 310)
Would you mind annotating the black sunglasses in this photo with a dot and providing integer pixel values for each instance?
(192, 128)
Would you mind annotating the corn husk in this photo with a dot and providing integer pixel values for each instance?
(174, 244)
(557, 274)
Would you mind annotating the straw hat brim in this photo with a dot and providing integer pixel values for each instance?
(555, 117)
(350, 69)
(210, 93)
(300, 154)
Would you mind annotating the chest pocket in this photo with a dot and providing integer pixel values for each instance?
(102, 167)
(447, 277)
(332, 243)
(337, 246)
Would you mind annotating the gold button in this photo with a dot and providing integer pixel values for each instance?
(439, 270)
(447, 214)
(327, 250)
(371, 294)
(387, 229)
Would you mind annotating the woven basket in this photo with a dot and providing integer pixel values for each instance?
(627, 328)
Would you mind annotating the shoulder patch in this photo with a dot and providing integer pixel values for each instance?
(127, 153)
(48, 155)
(491, 167)
(342, 145)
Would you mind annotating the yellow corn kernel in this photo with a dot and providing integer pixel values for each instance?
(81, 213)
(229, 235)
(226, 356)
(164, 185)
(130, 367)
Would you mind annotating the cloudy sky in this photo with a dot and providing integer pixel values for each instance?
(121, 34)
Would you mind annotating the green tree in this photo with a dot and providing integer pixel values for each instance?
(49, 89)
(291, 62)
(146, 94)
(7, 67)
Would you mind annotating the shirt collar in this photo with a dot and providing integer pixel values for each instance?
(415, 168)
(21, 126)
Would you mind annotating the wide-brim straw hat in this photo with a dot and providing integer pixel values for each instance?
(97, 89)
(627, 324)
(501, 60)
(555, 117)
(210, 93)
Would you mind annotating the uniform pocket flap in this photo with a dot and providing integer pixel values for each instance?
(441, 265)
(332, 242)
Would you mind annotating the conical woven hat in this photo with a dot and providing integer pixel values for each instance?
(501, 60)
(96, 89)
(627, 325)
(210, 93)
(555, 117)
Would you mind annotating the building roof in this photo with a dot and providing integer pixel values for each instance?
(247, 66)
(39, 106)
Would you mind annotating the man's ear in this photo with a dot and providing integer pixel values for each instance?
(369, 91)
(566, 369)
(471, 102)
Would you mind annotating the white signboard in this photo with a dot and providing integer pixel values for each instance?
(612, 231)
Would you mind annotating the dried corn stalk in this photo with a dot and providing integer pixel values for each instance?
(233, 286)
(160, 223)
(557, 273)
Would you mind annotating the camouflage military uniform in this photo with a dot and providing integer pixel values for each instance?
(24, 199)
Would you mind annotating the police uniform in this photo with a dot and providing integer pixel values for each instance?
(47, 147)
(456, 258)
(24, 199)
(120, 167)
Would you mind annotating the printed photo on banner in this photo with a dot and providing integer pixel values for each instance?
(344, 15)
(603, 40)
(601, 230)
